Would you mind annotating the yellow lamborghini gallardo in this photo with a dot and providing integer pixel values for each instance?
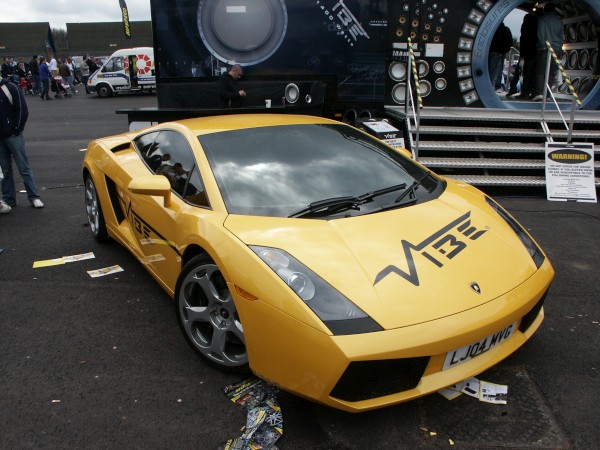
(323, 260)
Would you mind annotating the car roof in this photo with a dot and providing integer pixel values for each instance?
(215, 124)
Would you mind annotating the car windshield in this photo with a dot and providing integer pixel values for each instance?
(312, 170)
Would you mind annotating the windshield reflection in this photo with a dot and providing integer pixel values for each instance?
(276, 170)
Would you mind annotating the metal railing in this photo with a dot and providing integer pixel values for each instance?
(575, 102)
(409, 101)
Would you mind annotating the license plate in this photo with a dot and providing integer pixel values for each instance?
(464, 354)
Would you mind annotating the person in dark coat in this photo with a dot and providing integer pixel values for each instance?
(499, 47)
(230, 95)
(528, 51)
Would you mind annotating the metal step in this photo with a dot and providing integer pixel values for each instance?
(493, 115)
(577, 134)
(486, 163)
(501, 180)
(505, 132)
(483, 163)
(486, 180)
(501, 147)
(479, 131)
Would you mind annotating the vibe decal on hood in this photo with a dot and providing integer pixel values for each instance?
(444, 242)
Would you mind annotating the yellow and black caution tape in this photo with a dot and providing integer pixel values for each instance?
(415, 74)
(566, 78)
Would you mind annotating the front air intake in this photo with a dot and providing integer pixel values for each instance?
(364, 380)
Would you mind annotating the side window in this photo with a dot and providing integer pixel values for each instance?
(148, 150)
(113, 64)
(168, 153)
(119, 64)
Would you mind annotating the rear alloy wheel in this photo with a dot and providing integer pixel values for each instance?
(94, 211)
(208, 317)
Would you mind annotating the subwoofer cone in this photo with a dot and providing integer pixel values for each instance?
(242, 31)
(399, 93)
(292, 93)
(397, 71)
(584, 59)
(573, 58)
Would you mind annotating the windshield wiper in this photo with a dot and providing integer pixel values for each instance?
(337, 204)
(327, 206)
(371, 195)
(411, 190)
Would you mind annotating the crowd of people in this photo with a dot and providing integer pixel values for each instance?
(39, 75)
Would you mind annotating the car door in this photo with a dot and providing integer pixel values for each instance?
(156, 226)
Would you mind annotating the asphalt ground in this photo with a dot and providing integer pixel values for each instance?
(100, 363)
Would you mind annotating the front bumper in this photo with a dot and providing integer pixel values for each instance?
(368, 371)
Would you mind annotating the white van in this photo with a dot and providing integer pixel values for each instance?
(127, 70)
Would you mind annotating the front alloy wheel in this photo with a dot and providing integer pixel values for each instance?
(208, 317)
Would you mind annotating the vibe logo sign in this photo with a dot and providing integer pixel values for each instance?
(439, 248)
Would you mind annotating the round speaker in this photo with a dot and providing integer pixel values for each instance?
(292, 93)
(593, 58)
(242, 31)
(397, 71)
(399, 93)
(563, 87)
(592, 31)
(422, 68)
(571, 33)
(584, 86)
(425, 88)
(575, 82)
(584, 59)
(441, 84)
(573, 58)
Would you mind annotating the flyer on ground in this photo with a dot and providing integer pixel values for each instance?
(570, 172)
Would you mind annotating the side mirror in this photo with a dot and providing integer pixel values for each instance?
(157, 185)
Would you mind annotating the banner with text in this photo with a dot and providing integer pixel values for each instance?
(125, 14)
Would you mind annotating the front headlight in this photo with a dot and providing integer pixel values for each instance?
(534, 251)
(338, 313)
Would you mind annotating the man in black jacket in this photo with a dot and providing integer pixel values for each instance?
(13, 117)
(499, 47)
(230, 95)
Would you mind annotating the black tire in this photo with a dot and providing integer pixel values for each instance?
(207, 316)
(94, 211)
(104, 90)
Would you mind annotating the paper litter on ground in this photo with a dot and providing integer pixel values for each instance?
(482, 390)
(105, 271)
(63, 260)
(264, 420)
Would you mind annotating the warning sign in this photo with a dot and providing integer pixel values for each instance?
(570, 172)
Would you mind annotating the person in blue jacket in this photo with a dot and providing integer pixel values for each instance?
(45, 77)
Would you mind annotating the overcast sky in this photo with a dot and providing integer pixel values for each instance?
(59, 12)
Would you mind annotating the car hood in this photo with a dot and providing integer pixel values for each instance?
(409, 265)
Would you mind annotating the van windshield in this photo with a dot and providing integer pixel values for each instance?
(114, 64)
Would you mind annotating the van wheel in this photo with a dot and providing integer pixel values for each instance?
(104, 90)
